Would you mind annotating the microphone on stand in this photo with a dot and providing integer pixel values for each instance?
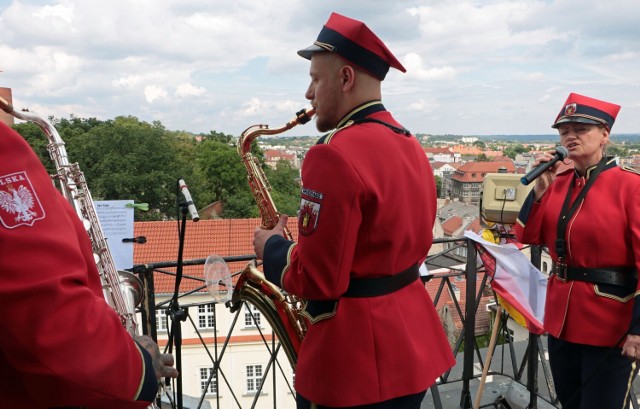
(561, 153)
(187, 196)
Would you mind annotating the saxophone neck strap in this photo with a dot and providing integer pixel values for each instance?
(396, 129)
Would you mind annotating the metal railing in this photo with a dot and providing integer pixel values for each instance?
(517, 372)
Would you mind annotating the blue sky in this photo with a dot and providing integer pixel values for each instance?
(474, 67)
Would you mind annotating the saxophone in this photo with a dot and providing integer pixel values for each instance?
(282, 310)
(122, 290)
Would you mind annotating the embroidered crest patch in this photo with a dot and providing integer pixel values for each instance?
(19, 204)
(310, 204)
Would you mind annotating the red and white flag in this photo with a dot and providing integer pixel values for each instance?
(521, 288)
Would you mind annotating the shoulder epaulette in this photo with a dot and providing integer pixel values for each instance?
(630, 169)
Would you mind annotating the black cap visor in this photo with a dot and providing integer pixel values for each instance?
(578, 119)
(315, 48)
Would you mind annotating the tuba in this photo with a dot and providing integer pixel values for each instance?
(122, 290)
(283, 311)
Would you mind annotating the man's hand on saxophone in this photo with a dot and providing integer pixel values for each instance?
(260, 236)
(162, 363)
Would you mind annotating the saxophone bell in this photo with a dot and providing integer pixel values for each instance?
(283, 311)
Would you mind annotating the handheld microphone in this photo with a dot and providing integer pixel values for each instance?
(187, 196)
(561, 153)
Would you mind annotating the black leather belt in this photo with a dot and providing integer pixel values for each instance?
(364, 287)
(376, 286)
(621, 276)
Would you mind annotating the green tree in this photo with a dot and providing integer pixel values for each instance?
(514, 150)
(482, 158)
(285, 187)
(438, 185)
(617, 150)
(225, 177)
(480, 144)
(128, 159)
(38, 141)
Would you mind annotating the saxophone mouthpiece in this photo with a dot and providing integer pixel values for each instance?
(304, 115)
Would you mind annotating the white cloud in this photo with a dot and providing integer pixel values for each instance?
(154, 92)
(473, 67)
(416, 69)
(186, 90)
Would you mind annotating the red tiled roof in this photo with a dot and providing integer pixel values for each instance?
(475, 226)
(451, 225)
(475, 171)
(482, 316)
(454, 223)
(438, 150)
(466, 150)
(271, 154)
(222, 237)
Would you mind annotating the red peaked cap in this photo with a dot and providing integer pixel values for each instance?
(578, 108)
(355, 42)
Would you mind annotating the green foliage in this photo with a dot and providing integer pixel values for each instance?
(128, 159)
(285, 187)
(617, 150)
(480, 144)
(514, 150)
(38, 141)
(222, 168)
(438, 185)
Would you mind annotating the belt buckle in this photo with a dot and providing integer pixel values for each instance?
(561, 271)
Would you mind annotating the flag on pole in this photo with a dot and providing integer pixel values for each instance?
(520, 287)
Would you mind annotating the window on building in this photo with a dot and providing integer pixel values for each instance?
(545, 267)
(208, 387)
(254, 378)
(206, 316)
(251, 316)
(461, 251)
(161, 320)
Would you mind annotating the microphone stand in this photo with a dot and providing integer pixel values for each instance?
(177, 313)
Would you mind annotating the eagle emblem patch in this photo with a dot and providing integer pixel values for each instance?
(19, 204)
(310, 204)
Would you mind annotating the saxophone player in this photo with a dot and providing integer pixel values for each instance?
(61, 344)
(365, 224)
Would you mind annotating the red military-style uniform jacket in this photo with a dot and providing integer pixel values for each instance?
(60, 343)
(603, 232)
(367, 210)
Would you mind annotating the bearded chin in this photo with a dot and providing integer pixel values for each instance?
(322, 125)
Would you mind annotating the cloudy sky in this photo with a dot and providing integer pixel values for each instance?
(474, 67)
